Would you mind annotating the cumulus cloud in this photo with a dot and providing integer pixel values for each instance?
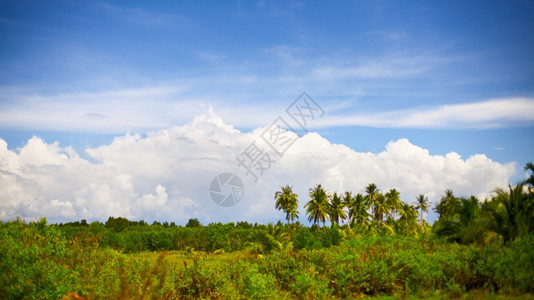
(166, 174)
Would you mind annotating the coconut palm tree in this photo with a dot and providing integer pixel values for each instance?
(317, 208)
(408, 218)
(336, 211)
(380, 208)
(530, 181)
(347, 201)
(448, 205)
(358, 210)
(456, 218)
(511, 213)
(287, 201)
(371, 191)
(393, 202)
(468, 212)
(422, 204)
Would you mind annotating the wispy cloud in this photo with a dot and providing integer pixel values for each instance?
(384, 67)
(115, 111)
(496, 113)
(151, 108)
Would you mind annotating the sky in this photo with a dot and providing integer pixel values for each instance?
(129, 108)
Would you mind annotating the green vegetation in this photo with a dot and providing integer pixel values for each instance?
(383, 249)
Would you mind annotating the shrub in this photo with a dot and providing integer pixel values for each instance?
(31, 261)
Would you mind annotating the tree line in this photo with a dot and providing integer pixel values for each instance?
(386, 210)
(507, 215)
(504, 217)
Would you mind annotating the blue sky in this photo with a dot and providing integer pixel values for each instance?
(448, 76)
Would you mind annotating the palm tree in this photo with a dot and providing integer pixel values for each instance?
(468, 210)
(422, 204)
(371, 191)
(347, 201)
(467, 216)
(287, 201)
(336, 209)
(317, 208)
(408, 218)
(380, 208)
(358, 210)
(456, 218)
(511, 213)
(530, 181)
(393, 202)
(448, 205)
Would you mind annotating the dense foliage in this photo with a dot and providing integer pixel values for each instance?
(38, 261)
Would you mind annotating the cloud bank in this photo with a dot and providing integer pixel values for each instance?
(165, 175)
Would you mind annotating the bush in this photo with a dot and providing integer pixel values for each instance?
(31, 261)
(304, 240)
(514, 269)
(259, 285)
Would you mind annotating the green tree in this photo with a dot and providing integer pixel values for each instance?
(336, 210)
(448, 205)
(408, 218)
(511, 213)
(451, 224)
(468, 214)
(117, 224)
(393, 202)
(347, 202)
(380, 208)
(530, 181)
(193, 223)
(317, 208)
(422, 204)
(287, 201)
(358, 211)
(371, 191)
(468, 210)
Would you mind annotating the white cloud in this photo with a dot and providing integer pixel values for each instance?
(111, 111)
(384, 68)
(166, 175)
(392, 69)
(495, 113)
(144, 109)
